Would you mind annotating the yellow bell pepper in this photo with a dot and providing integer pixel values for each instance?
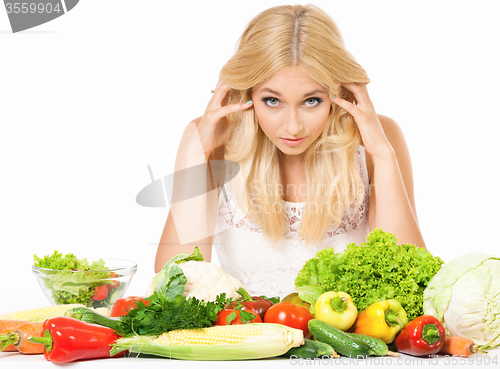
(337, 309)
(383, 320)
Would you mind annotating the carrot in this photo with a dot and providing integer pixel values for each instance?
(6, 326)
(459, 346)
(19, 338)
(465, 347)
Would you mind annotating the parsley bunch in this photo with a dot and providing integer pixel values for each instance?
(163, 314)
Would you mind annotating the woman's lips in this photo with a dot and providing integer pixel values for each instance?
(291, 142)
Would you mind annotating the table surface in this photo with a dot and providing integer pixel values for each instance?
(17, 360)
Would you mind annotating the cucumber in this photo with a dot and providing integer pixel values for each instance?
(90, 316)
(339, 340)
(378, 346)
(115, 294)
(310, 350)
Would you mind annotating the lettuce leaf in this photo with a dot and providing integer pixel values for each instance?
(72, 280)
(170, 281)
(378, 270)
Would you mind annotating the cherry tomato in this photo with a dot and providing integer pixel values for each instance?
(290, 315)
(101, 292)
(114, 283)
(122, 306)
(222, 317)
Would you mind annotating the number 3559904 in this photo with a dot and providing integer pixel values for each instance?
(25, 8)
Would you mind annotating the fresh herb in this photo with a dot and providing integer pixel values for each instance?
(163, 314)
(245, 316)
(74, 280)
(377, 270)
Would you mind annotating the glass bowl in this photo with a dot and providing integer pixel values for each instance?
(93, 288)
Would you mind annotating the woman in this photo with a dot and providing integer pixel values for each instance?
(317, 166)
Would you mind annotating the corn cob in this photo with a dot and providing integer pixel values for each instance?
(40, 314)
(227, 342)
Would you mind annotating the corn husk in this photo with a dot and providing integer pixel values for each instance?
(275, 340)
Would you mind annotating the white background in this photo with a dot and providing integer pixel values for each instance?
(90, 99)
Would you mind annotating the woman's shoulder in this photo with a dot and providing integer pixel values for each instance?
(391, 128)
(196, 121)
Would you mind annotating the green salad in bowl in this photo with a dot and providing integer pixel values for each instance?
(66, 279)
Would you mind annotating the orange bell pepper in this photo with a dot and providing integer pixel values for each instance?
(383, 320)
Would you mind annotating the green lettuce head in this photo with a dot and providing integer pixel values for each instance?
(377, 270)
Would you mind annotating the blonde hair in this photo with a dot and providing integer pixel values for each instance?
(277, 39)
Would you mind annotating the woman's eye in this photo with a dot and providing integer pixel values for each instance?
(313, 101)
(271, 101)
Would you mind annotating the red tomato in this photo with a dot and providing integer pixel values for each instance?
(122, 306)
(114, 283)
(101, 292)
(222, 317)
(291, 315)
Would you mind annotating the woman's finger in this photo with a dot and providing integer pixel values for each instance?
(358, 92)
(367, 95)
(218, 114)
(346, 105)
(219, 94)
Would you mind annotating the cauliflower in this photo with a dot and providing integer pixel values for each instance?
(190, 276)
(206, 280)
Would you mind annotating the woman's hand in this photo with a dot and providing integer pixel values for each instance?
(212, 129)
(363, 112)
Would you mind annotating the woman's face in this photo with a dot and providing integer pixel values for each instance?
(291, 105)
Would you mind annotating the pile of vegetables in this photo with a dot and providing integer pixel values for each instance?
(364, 302)
(378, 269)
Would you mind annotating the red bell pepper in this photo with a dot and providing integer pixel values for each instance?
(257, 304)
(422, 336)
(67, 339)
(122, 306)
(233, 315)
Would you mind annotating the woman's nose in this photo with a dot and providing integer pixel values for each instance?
(293, 126)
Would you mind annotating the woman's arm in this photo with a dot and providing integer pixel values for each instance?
(191, 219)
(392, 204)
(190, 222)
(392, 200)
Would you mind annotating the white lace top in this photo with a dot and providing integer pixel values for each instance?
(266, 269)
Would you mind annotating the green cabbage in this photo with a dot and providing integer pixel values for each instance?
(377, 270)
(465, 296)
